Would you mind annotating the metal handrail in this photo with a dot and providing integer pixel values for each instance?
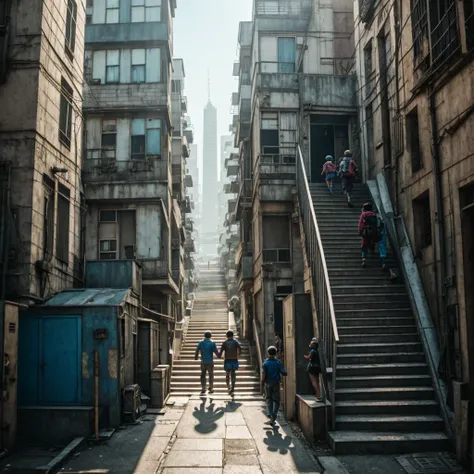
(328, 333)
(257, 344)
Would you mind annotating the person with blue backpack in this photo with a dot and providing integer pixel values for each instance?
(372, 229)
(348, 172)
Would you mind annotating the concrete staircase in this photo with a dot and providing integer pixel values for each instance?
(210, 314)
(385, 401)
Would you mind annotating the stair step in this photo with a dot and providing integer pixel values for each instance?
(363, 442)
(387, 407)
(382, 358)
(372, 298)
(372, 322)
(385, 393)
(383, 423)
(368, 312)
(365, 339)
(406, 368)
(379, 348)
(381, 288)
(383, 381)
(375, 329)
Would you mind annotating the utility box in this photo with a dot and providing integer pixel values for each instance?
(159, 385)
(148, 352)
(297, 332)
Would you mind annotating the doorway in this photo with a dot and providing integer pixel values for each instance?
(329, 136)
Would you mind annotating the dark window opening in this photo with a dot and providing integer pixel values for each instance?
(422, 220)
(413, 140)
(62, 225)
(109, 134)
(369, 69)
(71, 19)
(276, 239)
(369, 126)
(108, 216)
(48, 217)
(65, 113)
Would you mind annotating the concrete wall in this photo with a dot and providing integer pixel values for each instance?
(29, 120)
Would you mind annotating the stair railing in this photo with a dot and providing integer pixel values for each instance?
(326, 317)
(256, 335)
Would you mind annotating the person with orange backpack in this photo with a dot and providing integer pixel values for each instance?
(330, 170)
(348, 171)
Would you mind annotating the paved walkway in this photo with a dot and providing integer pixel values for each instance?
(203, 437)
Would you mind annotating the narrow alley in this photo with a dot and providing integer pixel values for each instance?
(209, 434)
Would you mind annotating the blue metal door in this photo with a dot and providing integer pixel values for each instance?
(60, 360)
(286, 54)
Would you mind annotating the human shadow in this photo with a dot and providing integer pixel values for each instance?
(232, 406)
(207, 417)
(277, 443)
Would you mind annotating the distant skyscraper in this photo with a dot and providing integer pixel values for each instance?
(209, 225)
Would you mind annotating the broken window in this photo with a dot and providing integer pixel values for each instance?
(422, 219)
(71, 19)
(146, 138)
(109, 134)
(48, 216)
(269, 134)
(113, 66)
(65, 113)
(112, 11)
(62, 224)
(138, 65)
(413, 140)
(146, 11)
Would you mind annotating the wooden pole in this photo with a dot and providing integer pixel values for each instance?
(96, 394)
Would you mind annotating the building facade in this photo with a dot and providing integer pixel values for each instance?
(133, 209)
(209, 223)
(41, 70)
(416, 80)
(294, 89)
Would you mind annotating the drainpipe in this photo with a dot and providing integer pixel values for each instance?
(439, 210)
(398, 16)
(4, 31)
(4, 248)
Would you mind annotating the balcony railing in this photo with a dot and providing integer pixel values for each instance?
(282, 7)
(320, 279)
(101, 165)
(278, 166)
(276, 255)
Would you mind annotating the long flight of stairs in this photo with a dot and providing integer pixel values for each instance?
(385, 401)
(210, 314)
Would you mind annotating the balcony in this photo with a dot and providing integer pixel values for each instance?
(329, 92)
(295, 8)
(231, 204)
(231, 188)
(101, 166)
(103, 33)
(232, 165)
(158, 273)
(131, 96)
(188, 181)
(244, 198)
(271, 167)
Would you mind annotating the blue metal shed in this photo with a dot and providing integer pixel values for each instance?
(57, 342)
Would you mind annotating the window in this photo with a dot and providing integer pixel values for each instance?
(369, 69)
(108, 235)
(146, 11)
(113, 67)
(108, 249)
(109, 134)
(71, 19)
(413, 140)
(62, 224)
(146, 138)
(65, 114)
(175, 85)
(422, 220)
(276, 239)
(112, 11)
(269, 135)
(108, 216)
(286, 54)
(48, 216)
(117, 234)
(369, 126)
(138, 65)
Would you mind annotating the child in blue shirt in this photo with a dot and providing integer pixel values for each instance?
(272, 370)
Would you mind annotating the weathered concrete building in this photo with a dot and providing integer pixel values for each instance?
(132, 209)
(294, 88)
(41, 66)
(416, 80)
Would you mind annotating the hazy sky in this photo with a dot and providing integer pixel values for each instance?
(205, 36)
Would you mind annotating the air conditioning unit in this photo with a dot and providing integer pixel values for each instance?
(132, 401)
